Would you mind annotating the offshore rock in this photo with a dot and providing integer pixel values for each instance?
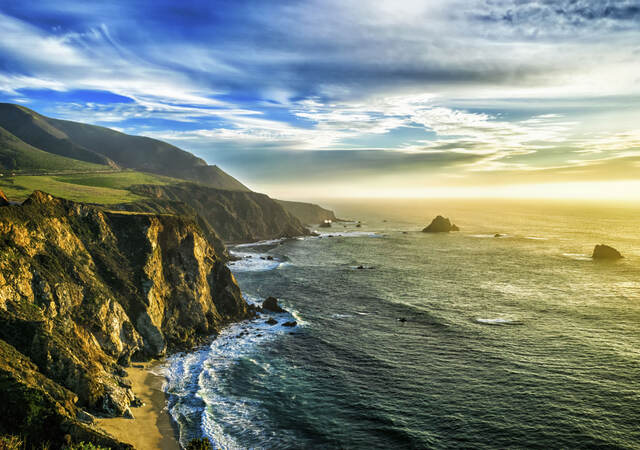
(82, 289)
(271, 304)
(605, 252)
(440, 225)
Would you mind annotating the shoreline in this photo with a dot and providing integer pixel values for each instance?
(152, 426)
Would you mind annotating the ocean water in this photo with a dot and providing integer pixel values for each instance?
(520, 341)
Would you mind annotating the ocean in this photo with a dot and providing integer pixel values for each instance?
(517, 341)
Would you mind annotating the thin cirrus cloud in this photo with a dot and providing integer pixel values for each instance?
(451, 92)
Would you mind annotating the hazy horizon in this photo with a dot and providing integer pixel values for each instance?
(328, 99)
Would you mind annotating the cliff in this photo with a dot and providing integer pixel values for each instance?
(83, 291)
(307, 213)
(235, 216)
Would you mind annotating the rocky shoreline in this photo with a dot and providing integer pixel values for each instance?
(84, 291)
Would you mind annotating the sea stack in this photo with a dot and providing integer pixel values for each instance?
(271, 304)
(4, 201)
(440, 225)
(605, 252)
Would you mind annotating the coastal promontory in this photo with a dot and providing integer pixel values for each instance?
(84, 291)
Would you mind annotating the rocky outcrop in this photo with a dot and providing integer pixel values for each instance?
(83, 291)
(40, 409)
(440, 225)
(4, 201)
(307, 213)
(605, 252)
(271, 304)
(235, 216)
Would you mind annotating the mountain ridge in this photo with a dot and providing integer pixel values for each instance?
(101, 145)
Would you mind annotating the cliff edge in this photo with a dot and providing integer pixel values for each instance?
(83, 291)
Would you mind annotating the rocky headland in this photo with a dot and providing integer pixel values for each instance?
(84, 291)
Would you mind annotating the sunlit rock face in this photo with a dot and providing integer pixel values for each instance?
(83, 291)
(4, 201)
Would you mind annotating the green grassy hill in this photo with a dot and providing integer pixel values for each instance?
(100, 188)
(33, 129)
(16, 156)
(102, 145)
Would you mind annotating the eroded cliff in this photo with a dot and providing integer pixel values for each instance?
(83, 291)
(235, 216)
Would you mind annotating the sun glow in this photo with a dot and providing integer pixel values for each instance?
(626, 190)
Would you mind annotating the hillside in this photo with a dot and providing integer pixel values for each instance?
(82, 292)
(16, 156)
(102, 145)
(235, 216)
(307, 213)
(33, 129)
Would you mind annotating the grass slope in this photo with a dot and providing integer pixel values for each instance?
(33, 129)
(19, 157)
(101, 188)
(88, 142)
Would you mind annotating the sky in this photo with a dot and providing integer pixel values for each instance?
(356, 98)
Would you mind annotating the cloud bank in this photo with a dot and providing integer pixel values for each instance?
(451, 92)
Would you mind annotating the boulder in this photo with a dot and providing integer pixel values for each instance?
(440, 225)
(271, 321)
(271, 304)
(4, 201)
(292, 323)
(605, 252)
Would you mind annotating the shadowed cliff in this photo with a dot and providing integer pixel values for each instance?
(235, 216)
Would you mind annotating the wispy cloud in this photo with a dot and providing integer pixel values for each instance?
(468, 88)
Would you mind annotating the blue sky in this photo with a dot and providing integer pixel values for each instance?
(319, 98)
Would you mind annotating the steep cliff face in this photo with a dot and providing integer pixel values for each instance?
(82, 291)
(235, 216)
(307, 213)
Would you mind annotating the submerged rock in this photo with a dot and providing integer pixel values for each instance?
(440, 225)
(605, 252)
(292, 323)
(271, 304)
(271, 321)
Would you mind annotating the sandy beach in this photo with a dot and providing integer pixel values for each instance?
(152, 427)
